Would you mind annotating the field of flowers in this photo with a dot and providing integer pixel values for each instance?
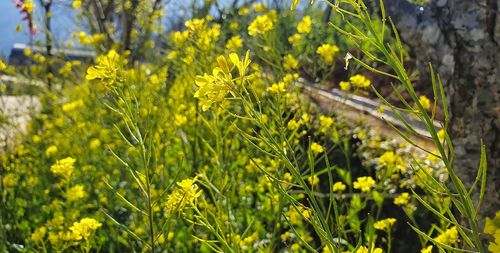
(200, 140)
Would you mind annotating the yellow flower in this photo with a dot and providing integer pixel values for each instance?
(425, 102)
(27, 52)
(63, 167)
(304, 25)
(178, 38)
(277, 88)
(325, 123)
(441, 135)
(402, 199)
(260, 25)
(39, 234)
(107, 68)
(339, 187)
(314, 180)
(180, 119)
(76, 4)
(385, 224)
(364, 183)
(195, 24)
(186, 194)
(495, 246)
(243, 11)
(289, 62)
(94, 144)
(491, 226)
(233, 26)
(293, 124)
(316, 148)
(84, 229)
(259, 7)
(68, 107)
(390, 160)
(427, 249)
(234, 44)
(345, 86)
(75, 193)
(51, 150)
(10, 179)
(28, 6)
(2, 65)
(359, 81)
(327, 52)
(448, 237)
(294, 39)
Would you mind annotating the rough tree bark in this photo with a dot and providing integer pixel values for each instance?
(461, 38)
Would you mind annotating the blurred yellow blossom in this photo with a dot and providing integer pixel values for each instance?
(234, 43)
(39, 234)
(327, 52)
(260, 25)
(364, 183)
(425, 102)
(385, 224)
(76, 4)
(305, 25)
(51, 150)
(339, 187)
(83, 229)
(402, 199)
(289, 62)
(313, 180)
(294, 39)
(317, 148)
(448, 237)
(75, 193)
(107, 68)
(345, 86)
(185, 194)
(94, 144)
(63, 167)
(359, 81)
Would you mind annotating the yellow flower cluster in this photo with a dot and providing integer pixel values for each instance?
(327, 52)
(83, 229)
(28, 6)
(402, 199)
(186, 194)
(492, 227)
(76, 4)
(63, 167)
(68, 107)
(325, 123)
(234, 44)
(294, 39)
(289, 62)
(390, 160)
(359, 81)
(317, 148)
(448, 237)
(305, 25)
(2, 65)
(425, 102)
(261, 25)
(107, 68)
(75, 193)
(214, 88)
(338, 187)
(364, 183)
(385, 224)
(281, 86)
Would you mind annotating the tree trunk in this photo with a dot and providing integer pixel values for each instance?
(461, 38)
